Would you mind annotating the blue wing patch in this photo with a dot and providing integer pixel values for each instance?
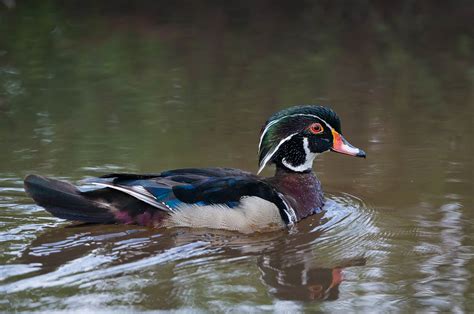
(203, 187)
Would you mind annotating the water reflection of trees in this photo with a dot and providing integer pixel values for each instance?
(206, 61)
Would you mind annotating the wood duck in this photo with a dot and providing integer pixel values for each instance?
(216, 198)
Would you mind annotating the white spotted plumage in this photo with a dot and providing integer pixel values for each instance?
(309, 158)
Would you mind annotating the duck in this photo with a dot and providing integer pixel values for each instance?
(212, 198)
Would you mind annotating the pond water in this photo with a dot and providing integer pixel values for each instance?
(87, 89)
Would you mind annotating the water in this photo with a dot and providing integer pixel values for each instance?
(87, 89)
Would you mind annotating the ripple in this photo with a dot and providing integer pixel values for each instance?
(12, 270)
(72, 273)
(89, 256)
(346, 230)
(304, 263)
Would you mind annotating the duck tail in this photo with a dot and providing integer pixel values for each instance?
(64, 200)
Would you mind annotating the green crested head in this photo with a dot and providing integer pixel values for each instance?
(292, 137)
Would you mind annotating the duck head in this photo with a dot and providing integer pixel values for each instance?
(291, 138)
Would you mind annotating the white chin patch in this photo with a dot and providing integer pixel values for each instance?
(308, 163)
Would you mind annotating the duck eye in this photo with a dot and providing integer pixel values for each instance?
(315, 128)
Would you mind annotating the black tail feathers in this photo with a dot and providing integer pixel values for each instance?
(65, 201)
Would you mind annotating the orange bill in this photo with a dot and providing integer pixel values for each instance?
(341, 145)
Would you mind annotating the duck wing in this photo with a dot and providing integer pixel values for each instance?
(148, 199)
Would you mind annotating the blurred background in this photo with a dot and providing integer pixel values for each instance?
(91, 87)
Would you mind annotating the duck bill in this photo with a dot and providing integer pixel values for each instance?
(342, 146)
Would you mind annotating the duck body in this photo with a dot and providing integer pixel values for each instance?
(217, 198)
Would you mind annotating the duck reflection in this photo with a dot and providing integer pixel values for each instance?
(297, 282)
(302, 282)
(295, 276)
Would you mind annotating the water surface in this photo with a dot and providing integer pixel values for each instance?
(87, 89)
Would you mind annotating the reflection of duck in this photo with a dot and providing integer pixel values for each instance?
(217, 198)
(288, 266)
(291, 270)
(301, 281)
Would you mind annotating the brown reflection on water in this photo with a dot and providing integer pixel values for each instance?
(88, 88)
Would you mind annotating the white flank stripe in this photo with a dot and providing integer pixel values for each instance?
(290, 211)
(144, 198)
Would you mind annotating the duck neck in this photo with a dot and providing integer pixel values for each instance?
(302, 189)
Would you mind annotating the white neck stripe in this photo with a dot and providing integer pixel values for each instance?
(270, 154)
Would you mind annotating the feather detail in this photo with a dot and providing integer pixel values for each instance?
(268, 156)
(252, 214)
(139, 193)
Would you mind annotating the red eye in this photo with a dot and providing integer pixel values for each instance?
(316, 128)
